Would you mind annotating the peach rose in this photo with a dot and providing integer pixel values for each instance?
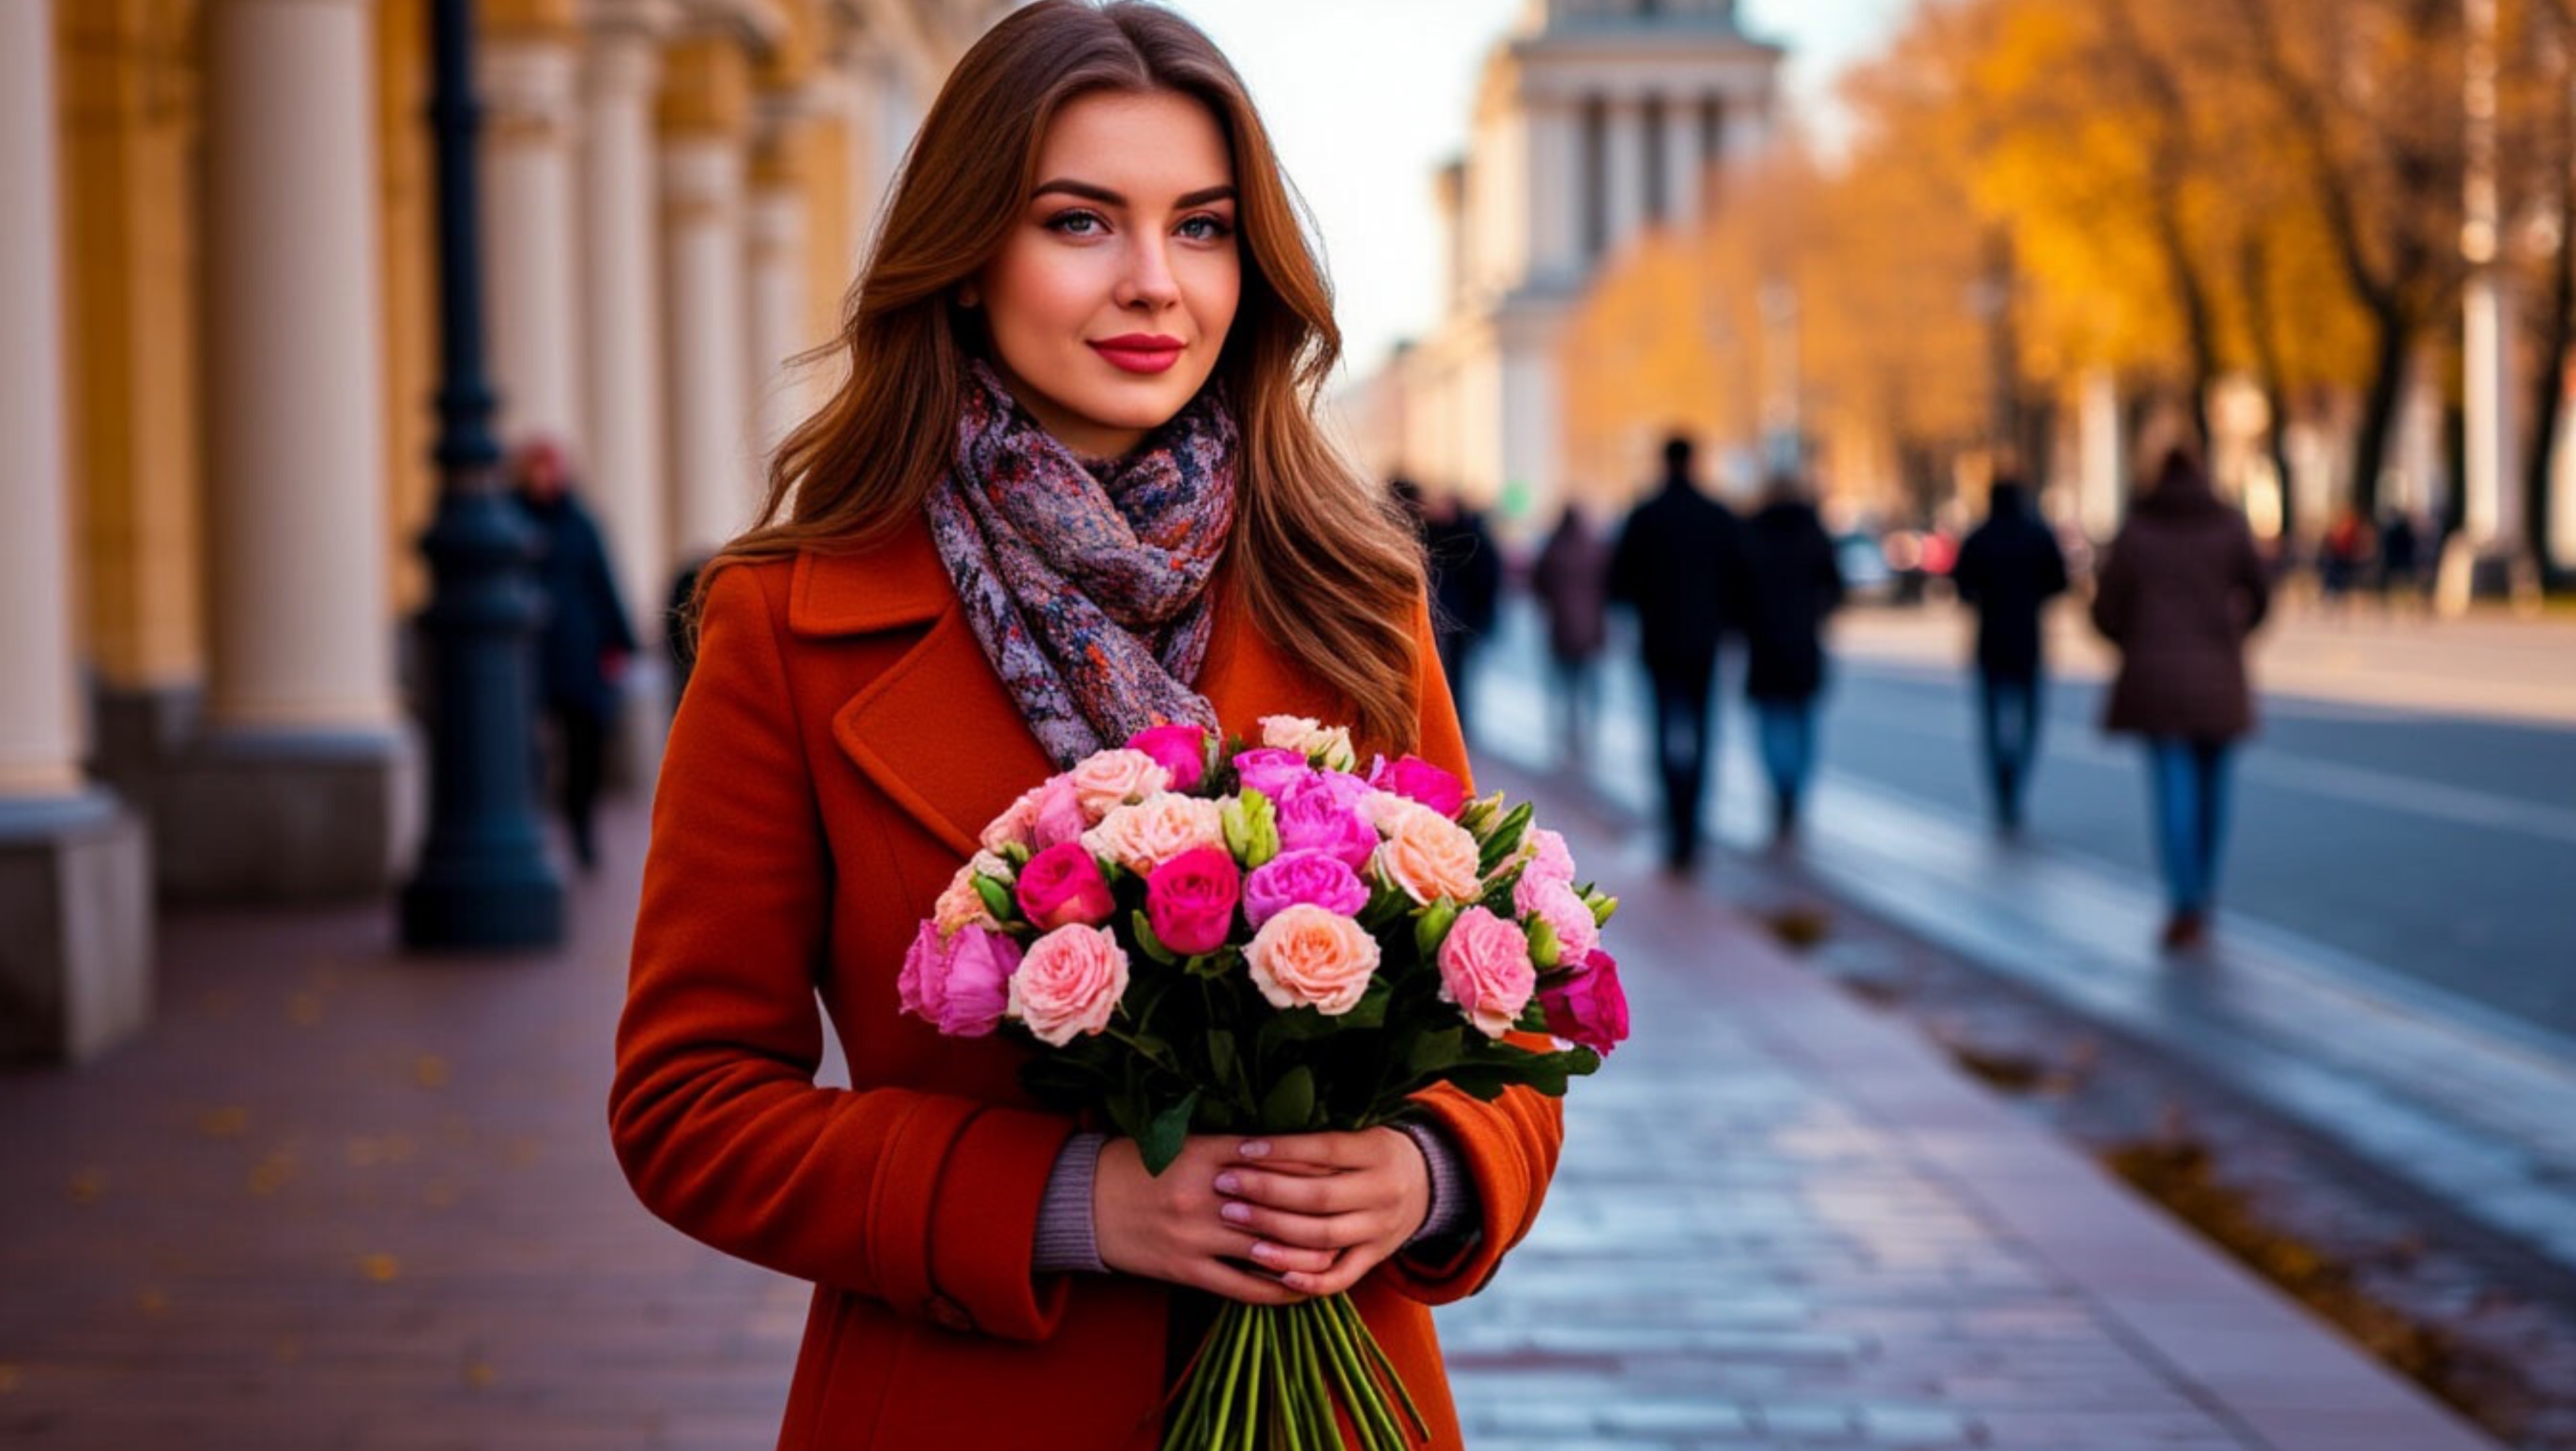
(1485, 969)
(961, 906)
(1143, 836)
(1314, 956)
(1017, 824)
(1106, 780)
(1068, 983)
(1383, 809)
(1326, 746)
(1430, 856)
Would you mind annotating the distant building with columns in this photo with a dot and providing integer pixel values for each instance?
(1595, 120)
(217, 350)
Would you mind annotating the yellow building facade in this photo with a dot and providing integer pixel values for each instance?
(218, 349)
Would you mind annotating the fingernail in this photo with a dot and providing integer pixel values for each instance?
(1253, 1149)
(1236, 1210)
(1263, 1251)
(1226, 1183)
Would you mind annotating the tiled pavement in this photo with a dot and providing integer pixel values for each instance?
(340, 1198)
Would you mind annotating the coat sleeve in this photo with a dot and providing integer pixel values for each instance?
(2115, 593)
(927, 1202)
(1509, 1146)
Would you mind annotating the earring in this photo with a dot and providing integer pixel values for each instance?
(969, 298)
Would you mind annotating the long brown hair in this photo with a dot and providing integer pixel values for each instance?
(1320, 559)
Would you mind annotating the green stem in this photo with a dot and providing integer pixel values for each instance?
(1352, 1368)
(1385, 1367)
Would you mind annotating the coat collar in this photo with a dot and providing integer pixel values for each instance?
(937, 732)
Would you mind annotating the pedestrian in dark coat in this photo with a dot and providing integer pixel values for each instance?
(2007, 571)
(1571, 578)
(1467, 582)
(2182, 589)
(1679, 563)
(587, 640)
(1792, 584)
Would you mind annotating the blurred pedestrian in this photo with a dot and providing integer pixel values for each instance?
(2182, 589)
(1571, 578)
(2342, 555)
(587, 641)
(1680, 563)
(2400, 559)
(1792, 584)
(1467, 583)
(2007, 571)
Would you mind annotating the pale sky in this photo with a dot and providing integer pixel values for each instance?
(1365, 98)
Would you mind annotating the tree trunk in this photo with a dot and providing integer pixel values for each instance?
(2390, 336)
(2257, 284)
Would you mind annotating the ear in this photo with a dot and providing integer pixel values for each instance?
(970, 296)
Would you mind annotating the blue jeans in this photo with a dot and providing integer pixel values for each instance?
(2010, 710)
(2188, 783)
(1788, 739)
(1685, 740)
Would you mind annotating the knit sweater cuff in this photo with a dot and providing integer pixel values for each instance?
(1066, 1239)
(1453, 1194)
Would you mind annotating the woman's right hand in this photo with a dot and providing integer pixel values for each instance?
(1168, 1226)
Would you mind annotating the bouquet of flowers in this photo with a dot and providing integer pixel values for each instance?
(1204, 938)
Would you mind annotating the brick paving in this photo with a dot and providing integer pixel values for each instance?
(342, 1198)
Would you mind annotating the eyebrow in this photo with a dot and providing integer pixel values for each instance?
(1103, 195)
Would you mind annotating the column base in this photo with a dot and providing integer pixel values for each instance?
(76, 962)
(138, 733)
(288, 816)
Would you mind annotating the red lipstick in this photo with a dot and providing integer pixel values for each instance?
(1140, 352)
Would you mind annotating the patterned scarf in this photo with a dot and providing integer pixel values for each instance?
(1086, 582)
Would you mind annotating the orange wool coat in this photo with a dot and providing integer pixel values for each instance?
(840, 747)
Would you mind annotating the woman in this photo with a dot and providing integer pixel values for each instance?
(2181, 591)
(1792, 582)
(1073, 485)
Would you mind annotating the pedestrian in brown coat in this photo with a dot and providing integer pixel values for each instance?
(2182, 589)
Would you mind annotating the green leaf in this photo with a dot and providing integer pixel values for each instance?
(1216, 965)
(1151, 945)
(1370, 1010)
(1435, 1052)
(1296, 1025)
(1290, 1103)
(1163, 1138)
(1221, 1057)
(997, 898)
(1601, 907)
(1506, 838)
(1533, 1019)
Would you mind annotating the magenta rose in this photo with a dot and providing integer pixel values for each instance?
(1271, 770)
(1063, 884)
(1190, 899)
(1317, 815)
(1313, 878)
(957, 984)
(1485, 969)
(1590, 1007)
(1180, 749)
(1417, 778)
(1060, 817)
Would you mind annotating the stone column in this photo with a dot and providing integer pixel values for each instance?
(1624, 158)
(2100, 486)
(777, 310)
(527, 70)
(302, 786)
(621, 309)
(705, 118)
(1682, 166)
(1555, 189)
(75, 879)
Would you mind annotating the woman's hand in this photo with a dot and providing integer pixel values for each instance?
(1267, 1221)
(1351, 1198)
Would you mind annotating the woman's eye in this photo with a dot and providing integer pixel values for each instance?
(1206, 229)
(1077, 224)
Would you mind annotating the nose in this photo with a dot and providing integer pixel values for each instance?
(1147, 281)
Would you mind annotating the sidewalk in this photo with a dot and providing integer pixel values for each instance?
(340, 1198)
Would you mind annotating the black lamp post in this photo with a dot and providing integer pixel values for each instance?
(483, 881)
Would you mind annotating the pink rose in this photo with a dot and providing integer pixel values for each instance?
(1430, 856)
(1190, 899)
(1059, 813)
(1271, 771)
(1069, 983)
(1017, 825)
(1063, 884)
(1311, 877)
(1106, 780)
(1589, 1008)
(1422, 781)
(957, 984)
(1546, 858)
(1564, 911)
(1307, 955)
(1317, 815)
(1485, 969)
(1180, 749)
(1153, 831)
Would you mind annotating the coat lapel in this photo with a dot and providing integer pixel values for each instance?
(937, 732)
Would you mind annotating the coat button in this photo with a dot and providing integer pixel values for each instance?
(947, 1314)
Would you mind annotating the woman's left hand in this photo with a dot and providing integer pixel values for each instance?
(1356, 1196)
